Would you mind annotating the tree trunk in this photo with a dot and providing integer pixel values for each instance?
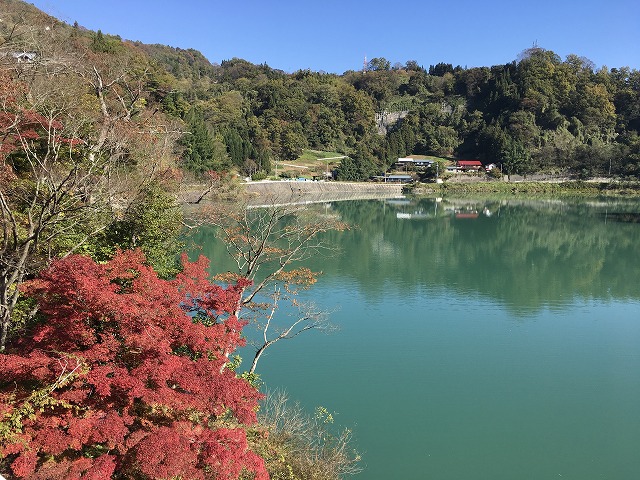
(257, 356)
(5, 327)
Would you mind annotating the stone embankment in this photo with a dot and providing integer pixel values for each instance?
(280, 192)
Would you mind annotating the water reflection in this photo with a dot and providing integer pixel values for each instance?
(526, 255)
(427, 291)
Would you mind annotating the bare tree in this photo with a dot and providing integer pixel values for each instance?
(218, 185)
(46, 192)
(308, 317)
(76, 146)
(267, 245)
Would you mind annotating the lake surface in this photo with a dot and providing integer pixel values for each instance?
(478, 339)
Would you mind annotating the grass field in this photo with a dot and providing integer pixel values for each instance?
(310, 163)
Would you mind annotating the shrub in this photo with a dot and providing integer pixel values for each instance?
(303, 447)
(125, 377)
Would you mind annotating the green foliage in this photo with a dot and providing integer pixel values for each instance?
(186, 64)
(379, 63)
(253, 378)
(152, 223)
(101, 43)
(202, 150)
(353, 169)
(175, 104)
(549, 106)
(515, 158)
(238, 147)
(440, 69)
(292, 142)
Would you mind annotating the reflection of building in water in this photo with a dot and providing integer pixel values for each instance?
(414, 215)
(410, 209)
(468, 214)
(399, 201)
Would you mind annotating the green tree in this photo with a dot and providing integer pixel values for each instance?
(202, 150)
(292, 141)
(515, 158)
(102, 43)
(360, 166)
(348, 170)
(238, 148)
(152, 223)
(493, 141)
(379, 63)
(440, 69)
(593, 105)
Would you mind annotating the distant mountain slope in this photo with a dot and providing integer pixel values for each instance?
(180, 63)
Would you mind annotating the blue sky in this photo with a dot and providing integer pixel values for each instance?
(335, 35)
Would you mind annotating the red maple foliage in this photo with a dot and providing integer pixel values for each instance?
(125, 377)
(19, 124)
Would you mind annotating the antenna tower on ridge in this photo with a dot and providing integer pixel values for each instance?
(364, 65)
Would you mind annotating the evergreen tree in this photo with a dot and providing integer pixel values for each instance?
(202, 151)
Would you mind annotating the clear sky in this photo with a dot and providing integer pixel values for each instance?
(335, 35)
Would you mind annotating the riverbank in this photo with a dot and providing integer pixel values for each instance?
(536, 188)
(292, 192)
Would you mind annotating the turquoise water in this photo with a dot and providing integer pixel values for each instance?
(477, 339)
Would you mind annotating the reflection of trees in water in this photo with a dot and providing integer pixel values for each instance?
(526, 254)
(626, 217)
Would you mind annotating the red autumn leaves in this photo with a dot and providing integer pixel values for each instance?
(124, 375)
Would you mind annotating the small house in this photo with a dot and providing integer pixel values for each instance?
(399, 178)
(469, 165)
(27, 57)
(409, 163)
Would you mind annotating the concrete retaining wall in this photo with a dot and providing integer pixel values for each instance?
(278, 192)
(284, 187)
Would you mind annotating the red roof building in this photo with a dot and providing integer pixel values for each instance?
(469, 164)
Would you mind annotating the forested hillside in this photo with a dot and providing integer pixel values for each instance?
(97, 133)
(537, 113)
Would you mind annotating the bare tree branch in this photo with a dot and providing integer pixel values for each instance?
(265, 244)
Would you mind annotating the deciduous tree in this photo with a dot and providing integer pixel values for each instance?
(46, 191)
(76, 146)
(122, 378)
(267, 245)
